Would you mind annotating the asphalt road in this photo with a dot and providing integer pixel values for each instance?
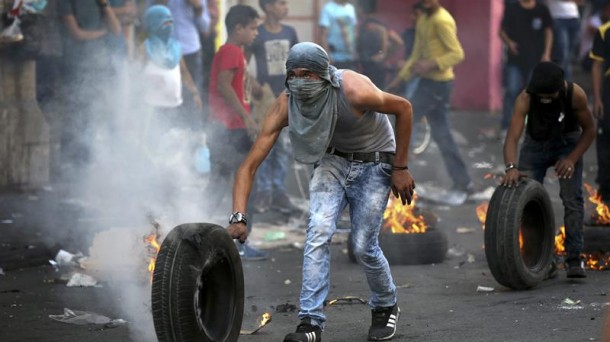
(438, 302)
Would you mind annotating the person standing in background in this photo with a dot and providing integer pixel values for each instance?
(338, 32)
(232, 127)
(375, 44)
(87, 25)
(527, 32)
(437, 50)
(270, 49)
(566, 31)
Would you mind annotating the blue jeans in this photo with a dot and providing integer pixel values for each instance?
(566, 34)
(515, 79)
(535, 158)
(431, 99)
(271, 174)
(337, 182)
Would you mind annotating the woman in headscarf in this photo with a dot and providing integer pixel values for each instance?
(164, 73)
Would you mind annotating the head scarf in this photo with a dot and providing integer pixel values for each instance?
(161, 48)
(312, 104)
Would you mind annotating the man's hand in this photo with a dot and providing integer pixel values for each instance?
(423, 67)
(403, 185)
(513, 48)
(564, 168)
(512, 178)
(251, 126)
(238, 231)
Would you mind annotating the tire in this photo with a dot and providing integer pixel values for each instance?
(526, 209)
(410, 249)
(198, 285)
(597, 239)
(423, 137)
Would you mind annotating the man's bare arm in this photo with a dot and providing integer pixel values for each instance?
(585, 120)
(275, 119)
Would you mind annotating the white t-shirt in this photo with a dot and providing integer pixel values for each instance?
(163, 86)
(561, 9)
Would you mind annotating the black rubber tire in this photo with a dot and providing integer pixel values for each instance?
(597, 239)
(526, 208)
(198, 285)
(410, 249)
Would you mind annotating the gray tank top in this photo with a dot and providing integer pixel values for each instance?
(370, 133)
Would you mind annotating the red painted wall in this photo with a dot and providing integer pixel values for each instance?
(478, 78)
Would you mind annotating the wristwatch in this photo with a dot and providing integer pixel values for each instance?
(510, 166)
(238, 217)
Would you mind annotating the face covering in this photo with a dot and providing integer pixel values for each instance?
(161, 49)
(306, 90)
(312, 104)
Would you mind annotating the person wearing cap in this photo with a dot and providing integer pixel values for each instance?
(335, 123)
(559, 130)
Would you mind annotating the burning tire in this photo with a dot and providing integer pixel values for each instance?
(410, 249)
(519, 235)
(198, 285)
(597, 239)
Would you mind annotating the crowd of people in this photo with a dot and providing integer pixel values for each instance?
(324, 105)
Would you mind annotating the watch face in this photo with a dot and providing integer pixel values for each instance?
(237, 217)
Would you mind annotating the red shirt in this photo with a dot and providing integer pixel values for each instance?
(229, 57)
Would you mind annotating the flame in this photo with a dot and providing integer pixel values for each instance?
(520, 240)
(603, 213)
(266, 319)
(154, 243)
(560, 238)
(401, 219)
(482, 212)
(597, 261)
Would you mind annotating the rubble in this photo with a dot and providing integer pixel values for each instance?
(86, 317)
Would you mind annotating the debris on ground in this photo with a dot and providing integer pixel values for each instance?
(2, 272)
(345, 300)
(266, 319)
(82, 280)
(454, 252)
(465, 230)
(485, 289)
(287, 307)
(86, 317)
(274, 236)
(570, 304)
(64, 258)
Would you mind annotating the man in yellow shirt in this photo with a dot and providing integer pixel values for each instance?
(435, 52)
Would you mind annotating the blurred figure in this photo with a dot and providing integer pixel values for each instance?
(127, 13)
(589, 30)
(566, 28)
(270, 48)
(559, 130)
(191, 19)
(408, 36)
(165, 69)
(527, 32)
(376, 43)
(232, 127)
(600, 77)
(338, 32)
(87, 24)
(437, 49)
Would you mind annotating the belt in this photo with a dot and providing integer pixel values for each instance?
(377, 157)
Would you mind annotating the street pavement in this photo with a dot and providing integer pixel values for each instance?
(438, 302)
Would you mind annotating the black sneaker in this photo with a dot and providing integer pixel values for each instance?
(384, 322)
(306, 332)
(576, 268)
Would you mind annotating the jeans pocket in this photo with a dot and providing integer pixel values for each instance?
(385, 169)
